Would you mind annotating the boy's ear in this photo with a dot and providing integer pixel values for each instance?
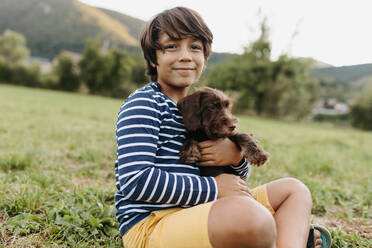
(190, 109)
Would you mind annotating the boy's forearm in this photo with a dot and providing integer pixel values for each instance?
(243, 169)
(157, 186)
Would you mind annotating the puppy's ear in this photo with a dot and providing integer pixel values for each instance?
(190, 109)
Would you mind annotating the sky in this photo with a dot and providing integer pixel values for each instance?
(336, 32)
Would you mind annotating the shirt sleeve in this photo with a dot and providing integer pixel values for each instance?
(137, 133)
(243, 169)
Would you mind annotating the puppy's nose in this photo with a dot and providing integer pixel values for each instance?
(232, 127)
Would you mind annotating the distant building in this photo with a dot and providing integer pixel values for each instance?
(44, 64)
(74, 56)
(331, 107)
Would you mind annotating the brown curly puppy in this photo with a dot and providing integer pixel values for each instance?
(207, 116)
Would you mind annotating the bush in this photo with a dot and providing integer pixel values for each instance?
(280, 89)
(20, 75)
(361, 111)
(66, 71)
(106, 74)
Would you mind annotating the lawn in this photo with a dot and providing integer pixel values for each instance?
(57, 175)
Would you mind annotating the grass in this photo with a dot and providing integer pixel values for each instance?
(57, 178)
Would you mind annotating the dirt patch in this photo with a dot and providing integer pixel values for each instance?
(3, 218)
(361, 226)
(89, 182)
(31, 241)
(72, 165)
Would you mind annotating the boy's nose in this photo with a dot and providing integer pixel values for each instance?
(185, 55)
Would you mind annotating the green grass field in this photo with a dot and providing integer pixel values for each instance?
(57, 175)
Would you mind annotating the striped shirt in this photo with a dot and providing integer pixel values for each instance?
(149, 175)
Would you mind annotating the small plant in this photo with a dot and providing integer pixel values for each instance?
(14, 162)
(343, 240)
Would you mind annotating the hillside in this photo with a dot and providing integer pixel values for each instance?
(344, 74)
(51, 26)
(343, 82)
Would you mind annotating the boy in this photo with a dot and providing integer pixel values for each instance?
(163, 203)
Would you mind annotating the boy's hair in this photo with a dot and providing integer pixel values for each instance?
(177, 23)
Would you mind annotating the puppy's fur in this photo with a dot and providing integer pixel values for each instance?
(207, 116)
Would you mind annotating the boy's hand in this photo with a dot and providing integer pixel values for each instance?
(221, 152)
(229, 184)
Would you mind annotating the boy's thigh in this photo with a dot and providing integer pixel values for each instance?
(186, 228)
(179, 228)
(261, 195)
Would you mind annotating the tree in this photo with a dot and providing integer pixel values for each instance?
(93, 67)
(119, 67)
(272, 88)
(138, 73)
(66, 72)
(106, 74)
(361, 110)
(13, 47)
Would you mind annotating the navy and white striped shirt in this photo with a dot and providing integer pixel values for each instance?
(149, 175)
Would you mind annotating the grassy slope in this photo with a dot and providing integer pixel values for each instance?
(51, 26)
(57, 183)
(111, 26)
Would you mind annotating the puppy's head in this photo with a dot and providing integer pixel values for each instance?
(210, 110)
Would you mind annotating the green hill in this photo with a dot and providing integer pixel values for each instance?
(345, 74)
(51, 26)
(345, 81)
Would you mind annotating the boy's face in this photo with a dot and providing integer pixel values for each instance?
(181, 62)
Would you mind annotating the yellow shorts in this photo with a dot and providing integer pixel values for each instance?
(161, 228)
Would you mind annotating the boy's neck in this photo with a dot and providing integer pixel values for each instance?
(173, 93)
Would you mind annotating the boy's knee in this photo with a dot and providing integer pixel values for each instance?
(246, 220)
(299, 188)
(254, 224)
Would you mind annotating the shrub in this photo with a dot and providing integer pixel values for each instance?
(361, 111)
(66, 72)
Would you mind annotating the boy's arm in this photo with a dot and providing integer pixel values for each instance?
(137, 177)
(224, 152)
(243, 169)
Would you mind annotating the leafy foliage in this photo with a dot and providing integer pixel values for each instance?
(80, 218)
(343, 240)
(106, 74)
(361, 111)
(21, 75)
(66, 72)
(12, 47)
(272, 88)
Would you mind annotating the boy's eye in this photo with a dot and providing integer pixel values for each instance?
(196, 47)
(170, 47)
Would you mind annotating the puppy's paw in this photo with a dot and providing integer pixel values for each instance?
(259, 158)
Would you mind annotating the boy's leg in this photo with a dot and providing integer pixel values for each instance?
(239, 221)
(235, 221)
(292, 203)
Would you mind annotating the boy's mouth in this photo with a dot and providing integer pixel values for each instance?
(184, 69)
